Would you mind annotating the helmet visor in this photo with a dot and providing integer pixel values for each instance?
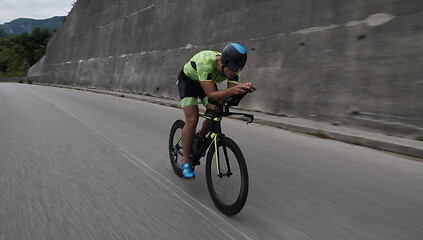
(234, 67)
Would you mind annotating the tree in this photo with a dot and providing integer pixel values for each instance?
(3, 34)
(19, 52)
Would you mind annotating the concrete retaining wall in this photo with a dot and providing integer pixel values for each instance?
(354, 62)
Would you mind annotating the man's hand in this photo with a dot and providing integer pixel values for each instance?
(243, 88)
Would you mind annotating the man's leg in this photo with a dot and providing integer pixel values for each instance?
(207, 124)
(188, 132)
(205, 128)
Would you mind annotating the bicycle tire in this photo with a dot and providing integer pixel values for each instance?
(173, 155)
(236, 206)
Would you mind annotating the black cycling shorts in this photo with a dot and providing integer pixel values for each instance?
(189, 88)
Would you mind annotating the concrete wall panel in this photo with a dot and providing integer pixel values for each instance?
(315, 59)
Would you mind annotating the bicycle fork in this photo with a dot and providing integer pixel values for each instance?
(216, 139)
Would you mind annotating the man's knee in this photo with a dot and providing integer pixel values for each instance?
(192, 119)
(191, 115)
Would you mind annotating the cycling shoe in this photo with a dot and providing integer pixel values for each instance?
(187, 171)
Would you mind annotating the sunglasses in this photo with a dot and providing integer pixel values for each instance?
(234, 68)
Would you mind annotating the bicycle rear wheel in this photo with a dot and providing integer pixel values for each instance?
(227, 177)
(175, 146)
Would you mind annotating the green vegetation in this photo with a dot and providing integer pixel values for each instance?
(3, 34)
(19, 52)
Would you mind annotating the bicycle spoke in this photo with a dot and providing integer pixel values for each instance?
(176, 146)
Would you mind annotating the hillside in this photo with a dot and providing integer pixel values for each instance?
(3, 34)
(22, 25)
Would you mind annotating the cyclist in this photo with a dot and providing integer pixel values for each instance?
(198, 79)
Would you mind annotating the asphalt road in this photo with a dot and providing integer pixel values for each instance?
(80, 165)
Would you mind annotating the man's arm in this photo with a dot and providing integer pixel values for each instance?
(210, 90)
(231, 84)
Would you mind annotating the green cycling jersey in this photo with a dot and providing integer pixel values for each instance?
(202, 68)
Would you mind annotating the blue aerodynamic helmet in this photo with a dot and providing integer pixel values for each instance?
(234, 56)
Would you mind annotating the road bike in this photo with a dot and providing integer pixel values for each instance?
(226, 169)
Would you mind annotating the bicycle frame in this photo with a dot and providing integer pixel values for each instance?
(223, 146)
(215, 135)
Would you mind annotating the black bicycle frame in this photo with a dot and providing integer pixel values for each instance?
(216, 132)
(216, 135)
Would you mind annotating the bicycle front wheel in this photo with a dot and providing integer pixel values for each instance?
(227, 176)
